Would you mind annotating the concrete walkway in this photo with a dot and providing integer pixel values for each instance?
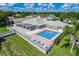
(7, 34)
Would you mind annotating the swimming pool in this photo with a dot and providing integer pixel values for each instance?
(47, 34)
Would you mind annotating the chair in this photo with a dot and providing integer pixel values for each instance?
(42, 44)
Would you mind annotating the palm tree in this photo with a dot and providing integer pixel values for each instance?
(74, 36)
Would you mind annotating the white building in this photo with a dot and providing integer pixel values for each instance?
(56, 24)
(38, 21)
(27, 28)
(51, 17)
(41, 21)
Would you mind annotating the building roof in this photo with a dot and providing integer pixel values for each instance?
(28, 25)
(51, 17)
(10, 17)
(30, 16)
(57, 23)
(19, 20)
(39, 21)
(36, 21)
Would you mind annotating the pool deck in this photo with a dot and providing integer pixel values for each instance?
(47, 43)
(52, 39)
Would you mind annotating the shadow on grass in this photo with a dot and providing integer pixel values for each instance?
(3, 25)
(0, 46)
(65, 45)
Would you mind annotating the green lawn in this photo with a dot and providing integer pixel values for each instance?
(62, 49)
(3, 29)
(15, 45)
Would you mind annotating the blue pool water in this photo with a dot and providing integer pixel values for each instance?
(47, 34)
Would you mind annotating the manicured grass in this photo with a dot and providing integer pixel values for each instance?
(15, 45)
(3, 29)
(62, 49)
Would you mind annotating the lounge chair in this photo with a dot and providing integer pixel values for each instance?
(42, 44)
(46, 47)
(34, 40)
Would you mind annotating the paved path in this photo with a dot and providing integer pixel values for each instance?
(7, 34)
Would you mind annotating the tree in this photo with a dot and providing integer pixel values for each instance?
(74, 36)
(3, 17)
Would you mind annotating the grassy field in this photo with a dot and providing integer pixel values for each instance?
(17, 46)
(62, 49)
(3, 29)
